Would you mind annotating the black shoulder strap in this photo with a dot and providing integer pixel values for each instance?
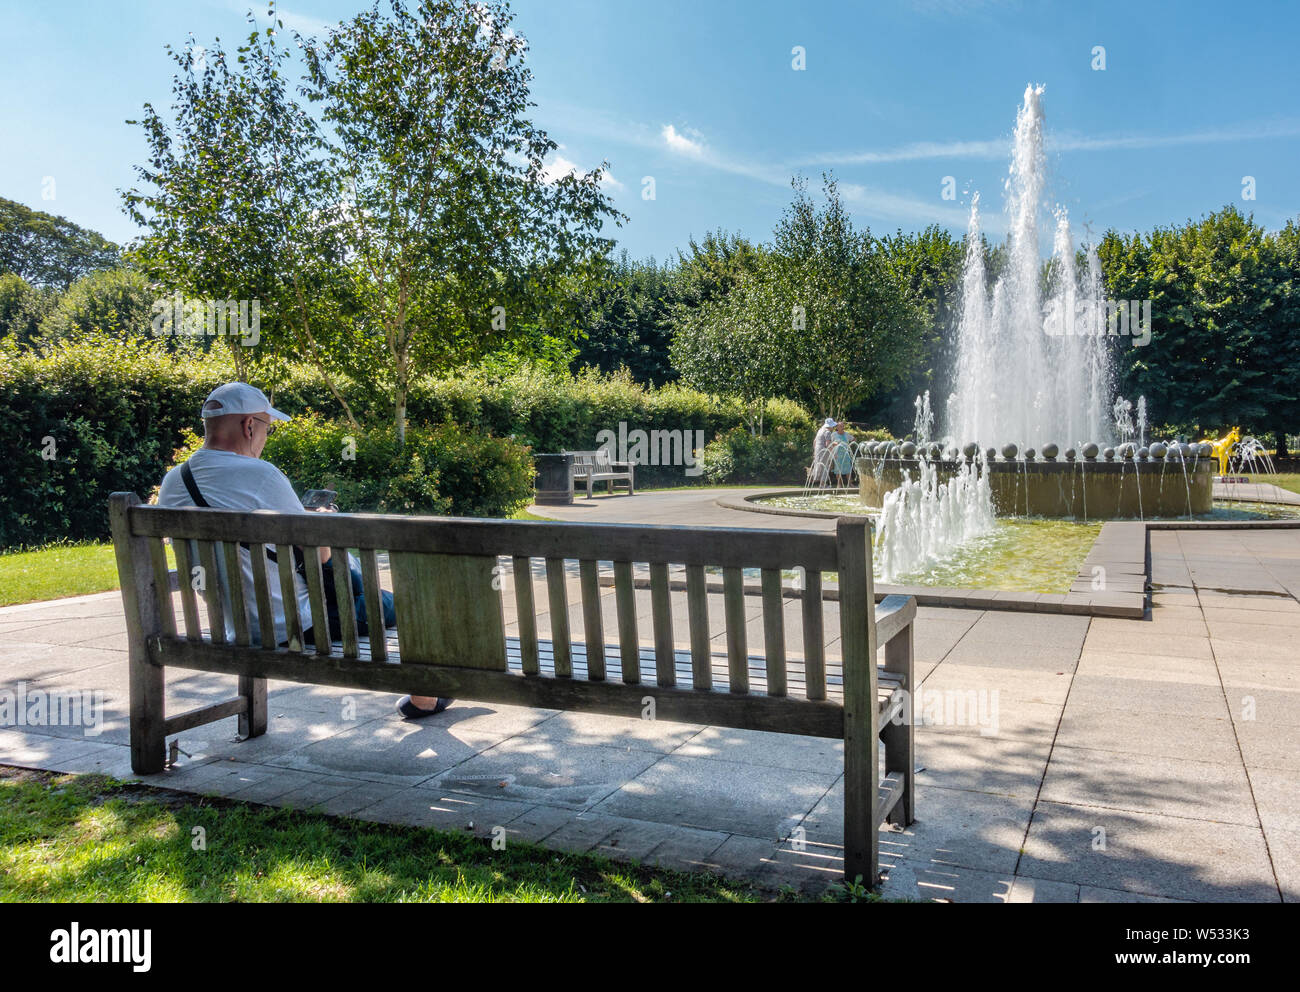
(192, 487)
(187, 477)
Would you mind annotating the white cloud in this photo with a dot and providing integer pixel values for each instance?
(678, 142)
(559, 167)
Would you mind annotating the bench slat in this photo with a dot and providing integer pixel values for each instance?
(185, 586)
(774, 632)
(733, 604)
(662, 612)
(697, 606)
(163, 585)
(526, 609)
(238, 604)
(212, 591)
(625, 601)
(262, 593)
(814, 641)
(558, 602)
(316, 597)
(593, 622)
(342, 569)
(293, 630)
(374, 613)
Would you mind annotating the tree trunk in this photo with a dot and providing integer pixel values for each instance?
(400, 416)
(1280, 443)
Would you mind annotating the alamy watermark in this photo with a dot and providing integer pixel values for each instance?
(1112, 318)
(40, 708)
(673, 447)
(198, 317)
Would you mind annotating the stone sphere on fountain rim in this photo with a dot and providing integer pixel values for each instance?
(1108, 454)
(1142, 454)
(990, 454)
(970, 450)
(1158, 450)
(1009, 452)
(1029, 454)
(1090, 451)
(1050, 451)
(1070, 454)
(907, 449)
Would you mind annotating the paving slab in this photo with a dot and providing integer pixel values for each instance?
(709, 794)
(1149, 854)
(1173, 786)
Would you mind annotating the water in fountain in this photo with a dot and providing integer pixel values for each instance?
(1123, 419)
(923, 425)
(1030, 370)
(924, 520)
(1142, 421)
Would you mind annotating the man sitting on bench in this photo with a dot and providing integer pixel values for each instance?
(228, 473)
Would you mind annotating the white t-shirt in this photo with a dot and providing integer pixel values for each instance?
(229, 481)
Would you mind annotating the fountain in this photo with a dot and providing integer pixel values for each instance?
(1033, 366)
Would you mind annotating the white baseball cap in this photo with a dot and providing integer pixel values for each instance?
(239, 397)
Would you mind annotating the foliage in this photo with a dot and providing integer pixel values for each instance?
(239, 205)
(88, 419)
(23, 307)
(46, 250)
(823, 316)
(860, 329)
(1225, 322)
(115, 302)
(439, 470)
(780, 457)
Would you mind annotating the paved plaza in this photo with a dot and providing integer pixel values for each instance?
(1108, 759)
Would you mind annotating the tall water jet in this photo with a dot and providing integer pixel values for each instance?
(1030, 369)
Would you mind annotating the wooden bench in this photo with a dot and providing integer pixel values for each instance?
(451, 637)
(590, 467)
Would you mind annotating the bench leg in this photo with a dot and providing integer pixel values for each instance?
(900, 738)
(252, 723)
(148, 745)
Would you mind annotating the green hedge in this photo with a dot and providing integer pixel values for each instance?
(117, 411)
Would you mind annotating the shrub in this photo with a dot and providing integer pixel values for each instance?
(780, 457)
(441, 470)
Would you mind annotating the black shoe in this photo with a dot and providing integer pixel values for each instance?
(412, 712)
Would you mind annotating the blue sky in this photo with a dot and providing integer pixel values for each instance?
(703, 97)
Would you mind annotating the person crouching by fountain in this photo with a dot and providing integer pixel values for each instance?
(819, 474)
(843, 455)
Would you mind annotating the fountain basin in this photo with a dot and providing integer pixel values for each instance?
(1100, 490)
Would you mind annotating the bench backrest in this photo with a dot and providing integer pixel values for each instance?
(591, 461)
(447, 583)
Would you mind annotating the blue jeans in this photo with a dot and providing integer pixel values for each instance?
(359, 602)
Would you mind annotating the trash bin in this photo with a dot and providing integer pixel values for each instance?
(554, 483)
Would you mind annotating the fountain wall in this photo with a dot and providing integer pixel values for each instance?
(1094, 490)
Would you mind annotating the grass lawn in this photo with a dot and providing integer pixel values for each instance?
(87, 838)
(1283, 480)
(56, 571)
(61, 570)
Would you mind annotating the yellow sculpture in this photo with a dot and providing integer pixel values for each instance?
(1223, 448)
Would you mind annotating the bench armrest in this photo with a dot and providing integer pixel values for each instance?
(893, 615)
